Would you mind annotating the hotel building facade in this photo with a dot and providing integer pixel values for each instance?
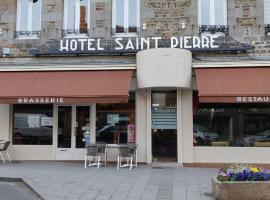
(186, 80)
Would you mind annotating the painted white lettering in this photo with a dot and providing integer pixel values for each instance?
(120, 45)
(129, 45)
(186, 40)
(62, 47)
(212, 41)
(61, 100)
(174, 42)
(145, 41)
(99, 45)
(156, 39)
(205, 42)
(73, 45)
(89, 45)
(181, 42)
(82, 41)
(238, 99)
(196, 42)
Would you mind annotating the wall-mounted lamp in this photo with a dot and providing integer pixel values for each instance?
(144, 26)
(1, 31)
(183, 24)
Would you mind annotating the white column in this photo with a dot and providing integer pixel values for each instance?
(4, 122)
(93, 123)
(179, 128)
(149, 128)
(141, 124)
(55, 130)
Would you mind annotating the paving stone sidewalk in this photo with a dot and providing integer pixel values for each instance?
(69, 180)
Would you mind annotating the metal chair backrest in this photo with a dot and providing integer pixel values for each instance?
(101, 148)
(92, 150)
(5, 146)
(124, 151)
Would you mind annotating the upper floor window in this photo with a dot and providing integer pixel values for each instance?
(125, 16)
(28, 19)
(267, 16)
(76, 17)
(212, 16)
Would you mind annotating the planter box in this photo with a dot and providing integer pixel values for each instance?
(246, 190)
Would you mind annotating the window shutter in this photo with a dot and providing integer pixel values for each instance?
(266, 11)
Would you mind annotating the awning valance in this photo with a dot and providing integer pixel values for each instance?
(65, 87)
(233, 85)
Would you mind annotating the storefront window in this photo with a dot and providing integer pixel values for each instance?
(32, 124)
(115, 123)
(245, 125)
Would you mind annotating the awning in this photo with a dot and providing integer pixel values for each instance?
(233, 85)
(65, 87)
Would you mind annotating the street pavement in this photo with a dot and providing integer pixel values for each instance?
(69, 180)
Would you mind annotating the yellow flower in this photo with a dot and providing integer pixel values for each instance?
(254, 169)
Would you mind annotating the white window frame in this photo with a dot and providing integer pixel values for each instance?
(126, 12)
(212, 12)
(266, 12)
(30, 23)
(77, 19)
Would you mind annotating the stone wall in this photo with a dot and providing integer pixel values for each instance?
(162, 18)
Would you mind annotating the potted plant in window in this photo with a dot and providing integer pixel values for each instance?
(242, 182)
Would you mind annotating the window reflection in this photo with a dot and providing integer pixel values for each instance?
(83, 16)
(231, 124)
(116, 122)
(36, 15)
(32, 124)
(119, 16)
(24, 15)
(71, 9)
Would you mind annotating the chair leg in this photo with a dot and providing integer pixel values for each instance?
(8, 156)
(98, 162)
(118, 162)
(85, 161)
(131, 164)
(2, 158)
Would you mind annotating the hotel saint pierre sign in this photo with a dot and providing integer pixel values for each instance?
(122, 45)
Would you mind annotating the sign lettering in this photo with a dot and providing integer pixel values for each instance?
(140, 43)
(40, 100)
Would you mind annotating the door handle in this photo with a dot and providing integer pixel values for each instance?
(63, 149)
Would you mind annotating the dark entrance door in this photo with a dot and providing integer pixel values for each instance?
(164, 126)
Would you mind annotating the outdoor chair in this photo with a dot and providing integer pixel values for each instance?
(4, 150)
(95, 152)
(128, 154)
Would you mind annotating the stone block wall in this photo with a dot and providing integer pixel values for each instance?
(162, 18)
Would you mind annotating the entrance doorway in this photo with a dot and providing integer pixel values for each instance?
(164, 126)
(72, 132)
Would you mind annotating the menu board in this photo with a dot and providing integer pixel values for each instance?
(33, 121)
(131, 133)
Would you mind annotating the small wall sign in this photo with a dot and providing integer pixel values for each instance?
(254, 99)
(40, 100)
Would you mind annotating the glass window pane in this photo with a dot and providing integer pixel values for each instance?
(24, 15)
(36, 15)
(219, 12)
(132, 16)
(231, 124)
(116, 122)
(64, 126)
(205, 12)
(119, 16)
(71, 9)
(32, 124)
(83, 126)
(84, 16)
